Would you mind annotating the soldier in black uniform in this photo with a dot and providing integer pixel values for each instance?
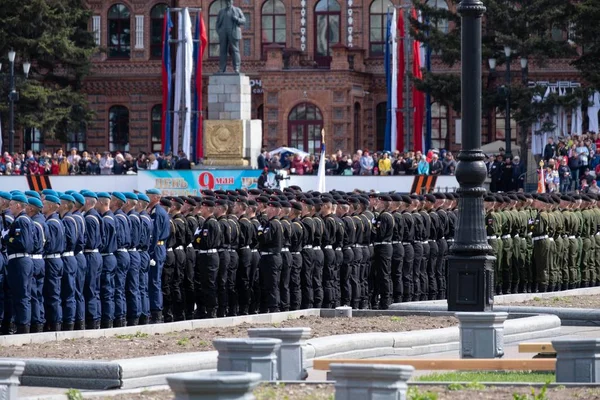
(270, 239)
(233, 258)
(255, 213)
(168, 273)
(426, 232)
(296, 244)
(327, 240)
(348, 282)
(286, 257)
(207, 240)
(397, 247)
(318, 255)
(246, 239)
(408, 240)
(189, 210)
(181, 235)
(220, 212)
(307, 253)
(357, 250)
(337, 247)
(419, 237)
(368, 220)
(384, 229)
(443, 232)
(434, 227)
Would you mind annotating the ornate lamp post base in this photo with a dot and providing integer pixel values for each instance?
(473, 285)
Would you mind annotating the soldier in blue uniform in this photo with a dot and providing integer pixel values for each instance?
(157, 252)
(67, 290)
(132, 281)
(19, 242)
(81, 262)
(5, 299)
(109, 262)
(146, 229)
(93, 241)
(55, 244)
(40, 233)
(123, 227)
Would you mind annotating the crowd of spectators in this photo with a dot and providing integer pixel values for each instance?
(87, 163)
(363, 162)
(572, 163)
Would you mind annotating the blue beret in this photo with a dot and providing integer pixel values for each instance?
(58, 194)
(78, 198)
(103, 195)
(33, 201)
(20, 198)
(50, 192)
(152, 191)
(70, 192)
(31, 193)
(87, 193)
(52, 199)
(119, 196)
(16, 192)
(143, 197)
(6, 195)
(130, 196)
(67, 197)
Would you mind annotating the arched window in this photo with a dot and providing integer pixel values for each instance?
(273, 23)
(157, 16)
(327, 28)
(213, 37)
(439, 126)
(156, 117)
(380, 118)
(119, 31)
(378, 26)
(118, 120)
(441, 24)
(304, 128)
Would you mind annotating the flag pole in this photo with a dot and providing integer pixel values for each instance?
(321, 171)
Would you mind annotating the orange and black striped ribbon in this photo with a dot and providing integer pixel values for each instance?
(422, 184)
(38, 182)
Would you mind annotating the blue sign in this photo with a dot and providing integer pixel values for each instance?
(191, 182)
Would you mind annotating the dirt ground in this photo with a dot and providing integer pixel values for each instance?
(143, 345)
(326, 392)
(563, 301)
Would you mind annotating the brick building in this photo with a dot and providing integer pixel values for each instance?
(312, 63)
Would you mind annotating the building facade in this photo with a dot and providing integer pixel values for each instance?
(313, 64)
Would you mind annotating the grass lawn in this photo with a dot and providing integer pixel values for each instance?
(489, 376)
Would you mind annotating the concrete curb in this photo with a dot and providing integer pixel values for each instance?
(150, 371)
(19, 340)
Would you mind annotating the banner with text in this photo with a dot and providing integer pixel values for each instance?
(191, 182)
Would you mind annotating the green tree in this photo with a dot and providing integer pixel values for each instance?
(524, 26)
(587, 34)
(54, 36)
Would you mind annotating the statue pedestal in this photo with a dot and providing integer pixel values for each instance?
(231, 136)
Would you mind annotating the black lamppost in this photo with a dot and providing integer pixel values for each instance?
(13, 96)
(507, 130)
(470, 268)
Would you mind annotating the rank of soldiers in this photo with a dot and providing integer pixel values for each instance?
(98, 260)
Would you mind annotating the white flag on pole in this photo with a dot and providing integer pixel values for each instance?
(322, 164)
(189, 66)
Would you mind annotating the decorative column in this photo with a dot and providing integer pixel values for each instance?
(481, 334)
(470, 268)
(290, 358)
(214, 385)
(577, 360)
(249, 355)
(370, 381)
(9, 378)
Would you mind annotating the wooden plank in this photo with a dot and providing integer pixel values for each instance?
(525, 364)
(536, 348)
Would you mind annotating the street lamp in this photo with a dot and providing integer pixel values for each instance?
(507, 130)
(470, 267)
(13, 96)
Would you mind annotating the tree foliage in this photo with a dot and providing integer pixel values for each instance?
(587, 33)
(54, 36)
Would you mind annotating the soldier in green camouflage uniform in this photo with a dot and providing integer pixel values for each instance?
(579, 237)
(541, 245)
(588, 272)
(507, 245)
(596, 242)
(520, 285)
(493, 222)
(531, 214)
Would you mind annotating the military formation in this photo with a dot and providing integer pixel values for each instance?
(544, 242)
(85, 260)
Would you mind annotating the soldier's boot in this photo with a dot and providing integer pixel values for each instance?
(9, 328)
(515, 289)
(244, 310)
(200, 313)
(37, 328)
(143, 320)
(68, 326)
(585, 284)
(564, 286)
(23, 329)
(79, 325)
(106, 324)
(211, 313)
(522, 288)
(133, 321)
(53, 327)
(543, 288)
(156, 317)
(221, 312)
(232, 311)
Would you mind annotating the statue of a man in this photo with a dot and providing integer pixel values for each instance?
(229, 21)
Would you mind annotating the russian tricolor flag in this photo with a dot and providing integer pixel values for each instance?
(200, 42)
(166, 84)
